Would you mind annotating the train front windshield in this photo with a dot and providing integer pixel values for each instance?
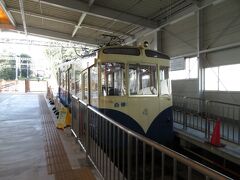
(112, 78)
(142, 79)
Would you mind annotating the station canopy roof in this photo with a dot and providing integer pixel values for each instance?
(94, 21)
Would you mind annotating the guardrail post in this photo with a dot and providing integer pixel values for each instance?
(184, 113)
(87, 134)
(207, 122)
(189, 173)
(162, 164)
(238, 126)
(73, 111)
(129, 156)
(152, 163)
(239, 132)
(174, 169)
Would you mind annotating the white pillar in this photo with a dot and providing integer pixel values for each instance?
(200, 56)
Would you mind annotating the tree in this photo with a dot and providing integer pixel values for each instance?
(8, 74)
(7, 67)
(58, 55)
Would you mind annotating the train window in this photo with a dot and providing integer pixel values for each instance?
(72, 84)
(77, 89)
(85, 87)
(63, 79)
(155, 54)
(165, 85)
(77, 83)
(124, 51)
(113, 79)
(58, 78)
(93, 85)
(142, 79)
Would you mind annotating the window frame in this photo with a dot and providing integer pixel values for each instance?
(219, 81)
(187, 69)
(156, 80)
(101, 80)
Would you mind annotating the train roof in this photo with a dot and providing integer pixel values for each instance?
(119, 50)
(135, 51)
(128, 50)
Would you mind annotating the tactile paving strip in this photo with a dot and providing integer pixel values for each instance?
(56, 157)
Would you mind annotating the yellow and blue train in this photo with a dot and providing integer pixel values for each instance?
(128, 84)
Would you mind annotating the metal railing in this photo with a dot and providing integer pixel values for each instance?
(201, 115)
(119, 153)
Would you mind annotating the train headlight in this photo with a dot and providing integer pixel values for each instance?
(145, 44)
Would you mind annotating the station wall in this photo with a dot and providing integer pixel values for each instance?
(220, 30)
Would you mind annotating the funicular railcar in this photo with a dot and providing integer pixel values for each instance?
(129, 84)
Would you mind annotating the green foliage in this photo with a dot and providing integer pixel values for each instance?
(25, 56)
(24, 73)
(7, 67)
(58, 55)
(7, 73)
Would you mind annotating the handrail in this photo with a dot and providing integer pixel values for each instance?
(75, 97)
(196, 98)
(231, 104)
(208, 111)
(181, 158)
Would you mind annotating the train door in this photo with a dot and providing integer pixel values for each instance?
(85, 86)
(59, 81)
(93, 86)
(69, 80)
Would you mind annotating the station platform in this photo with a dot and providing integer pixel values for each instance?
(228, 151)
(30, 145)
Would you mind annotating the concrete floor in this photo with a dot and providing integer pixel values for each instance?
(22, 155)
(21, 141)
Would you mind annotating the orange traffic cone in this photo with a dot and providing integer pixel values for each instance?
(215, 140)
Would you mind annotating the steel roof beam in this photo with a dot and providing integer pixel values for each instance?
(57, 35)
(193, 2)
(23, 16)
(36, 15)
(9, 15)
(173, 19)
(99, 11)
(82, 17)
(72, 23)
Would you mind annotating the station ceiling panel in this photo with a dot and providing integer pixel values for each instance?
(89, 20)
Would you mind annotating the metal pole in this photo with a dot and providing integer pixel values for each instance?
(152, 166)
(129, 156)
(184, 113)
(87, 137)
(114, 147)
(118, 153)
(174, 169)
(163, 159)
(136, 153)
(110, 151)
(144, 160)
(189, 173)
(123, 154)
